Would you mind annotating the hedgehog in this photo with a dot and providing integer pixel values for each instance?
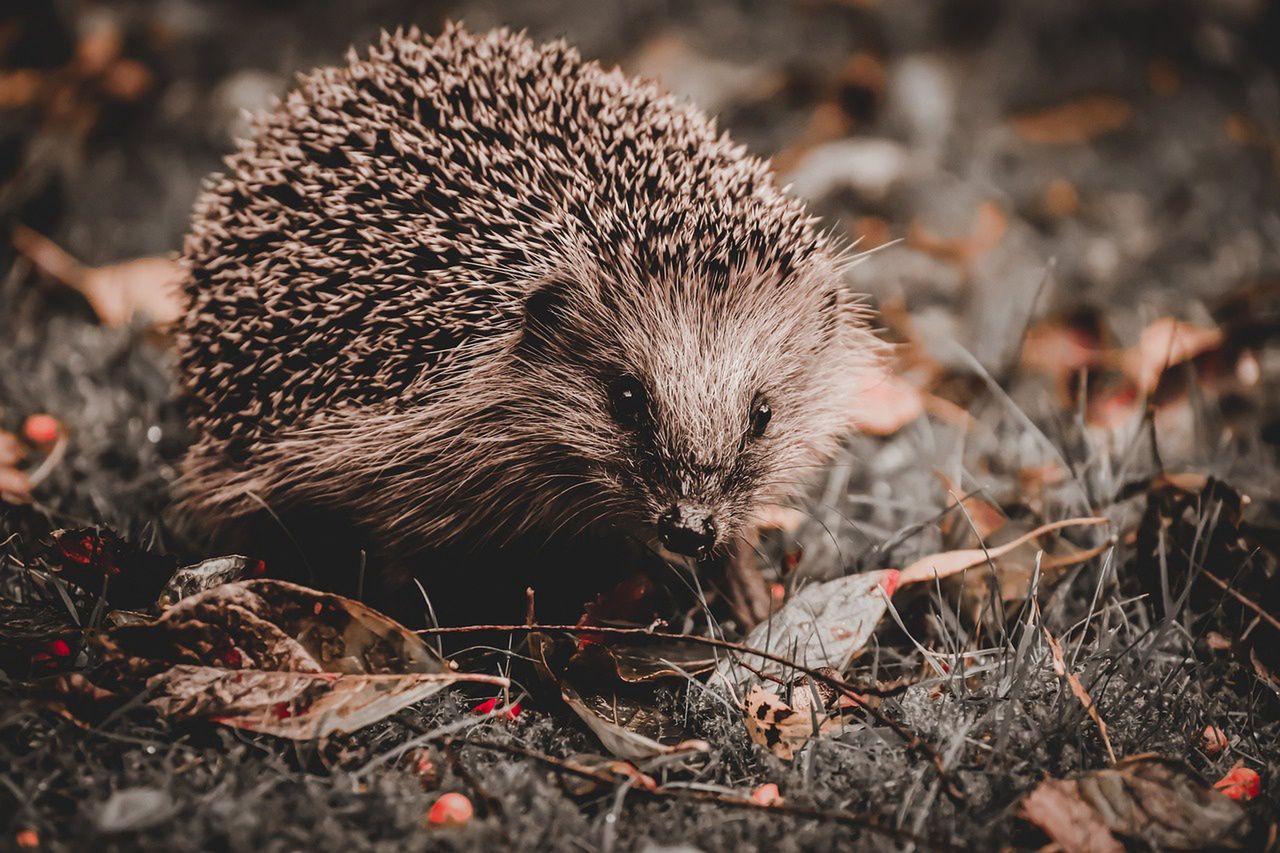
(472, 294)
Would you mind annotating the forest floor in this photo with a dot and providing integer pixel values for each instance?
(1072, 214)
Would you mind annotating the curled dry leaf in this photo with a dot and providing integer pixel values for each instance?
(1163, 344)
(783, 727)
(278, 658)
(146, 286)
(205, 575)
(1147, 798)
(953, 562)
(628, 724)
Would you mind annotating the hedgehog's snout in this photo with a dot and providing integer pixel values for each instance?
(688, 529)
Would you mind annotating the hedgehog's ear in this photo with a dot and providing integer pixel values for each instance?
(544, 312)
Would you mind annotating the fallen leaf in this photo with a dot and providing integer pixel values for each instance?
(1163, 344)
(822, 625)
(1055, 806)
(145, 286)
(1147, 798)
(826, 624)
(886, 404)
(978, 516)
(1075, 121)
(953, 562)
(278, 658)
(205, 575)
(628, 724)
(781, 727)
(1213, 741)
(1059, 350)
(296, 705)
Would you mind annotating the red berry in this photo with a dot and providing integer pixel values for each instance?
(41, 429)
(451, 809)
(1240, 783)
(767, 795)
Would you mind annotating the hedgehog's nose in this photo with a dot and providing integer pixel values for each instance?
(687, 530)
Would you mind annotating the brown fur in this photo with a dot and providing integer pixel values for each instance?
(409, 290)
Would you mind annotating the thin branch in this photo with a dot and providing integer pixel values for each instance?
(914, 742)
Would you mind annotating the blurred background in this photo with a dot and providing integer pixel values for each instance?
(1059, 173)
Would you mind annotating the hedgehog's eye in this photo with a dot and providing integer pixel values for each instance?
(760, 416)
(628, 399)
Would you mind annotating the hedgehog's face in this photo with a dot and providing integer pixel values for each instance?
(689, 410)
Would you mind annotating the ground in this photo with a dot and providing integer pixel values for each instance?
(1041, 188)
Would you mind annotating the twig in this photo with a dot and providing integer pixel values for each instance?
(573, 768)
(914, 742)
(1240, 597)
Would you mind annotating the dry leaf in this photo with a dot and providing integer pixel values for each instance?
(1165, 343)
(1147, 798)
(146, 286)
(205, 575)
(978, 515)
(953, 562)
(297, 705)
(826, 624)
(1060, 669)
(1060, 350)
(278, 658)
(823, 625)
(1075, 121)
(1055, 806)
(101, 562)
(887, 404)
(627, 726)
(780, 727)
